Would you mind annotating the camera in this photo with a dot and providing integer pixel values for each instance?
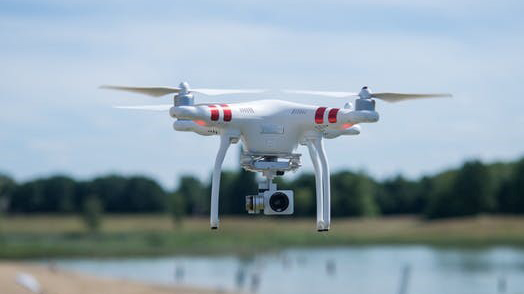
(278, 202)
(273, 202)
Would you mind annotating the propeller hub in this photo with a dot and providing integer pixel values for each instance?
(184, 96)
(365, 93)
(184, 88)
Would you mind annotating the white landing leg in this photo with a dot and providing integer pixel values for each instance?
(225, 141)
(326, 186)
(318, 184)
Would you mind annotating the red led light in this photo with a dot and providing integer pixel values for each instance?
(200, 122)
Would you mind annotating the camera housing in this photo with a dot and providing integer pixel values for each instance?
(272, 202)
(278, 202)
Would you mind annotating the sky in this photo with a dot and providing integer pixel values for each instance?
(54, 55)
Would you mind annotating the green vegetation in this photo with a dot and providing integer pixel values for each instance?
(476, 204)
(135, 235)
(474, 188)
(92, 213)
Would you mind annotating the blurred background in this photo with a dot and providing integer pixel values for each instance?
(428, 200)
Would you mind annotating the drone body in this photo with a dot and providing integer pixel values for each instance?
(270, 131)
(268, 126)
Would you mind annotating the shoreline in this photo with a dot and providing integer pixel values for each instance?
(54, 280)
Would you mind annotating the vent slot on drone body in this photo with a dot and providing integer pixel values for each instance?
(298, 111)
(246, 110)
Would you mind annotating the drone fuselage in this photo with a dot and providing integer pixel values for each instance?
(270, 131)
(270, 127)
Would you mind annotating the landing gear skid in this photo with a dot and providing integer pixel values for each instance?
(322, 183)
(272, 165)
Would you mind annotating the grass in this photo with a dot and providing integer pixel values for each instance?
(146, 235)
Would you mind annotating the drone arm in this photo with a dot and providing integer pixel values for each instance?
(326, 187)
(184, 125)
(225, 141)
(318, 183)
(359, 116)
(331, 134)
(190, 112)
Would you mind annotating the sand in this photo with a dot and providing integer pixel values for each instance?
(57, 281)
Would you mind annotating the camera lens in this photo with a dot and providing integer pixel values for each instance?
(279, 202)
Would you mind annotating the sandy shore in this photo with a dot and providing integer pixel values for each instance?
(56, 281)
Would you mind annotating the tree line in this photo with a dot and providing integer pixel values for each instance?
(474, 188)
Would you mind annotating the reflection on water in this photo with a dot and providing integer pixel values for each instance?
(372, 269)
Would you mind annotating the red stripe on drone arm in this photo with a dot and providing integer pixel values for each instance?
(215, 115)
(227, 112)
(332, 115)
(319, 115)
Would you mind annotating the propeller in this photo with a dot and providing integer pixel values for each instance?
(322, 93)
(161, 107)
(151, 91)
(365, 93)
(183, 88)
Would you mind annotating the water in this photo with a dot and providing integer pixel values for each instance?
(370, 269)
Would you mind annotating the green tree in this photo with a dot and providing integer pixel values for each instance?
(177, 208)
(305, 194)
(398, 196)
(511, 192)
(111, 192)
(468, 191)
(244, 183)
(53, 194)
(7, 188)
(144, 195)
(440, 196)
(304, 201)
(352, 195)
(473, 189)
(424, 189)
(58, 194)
(193, 193)
(228, 201)
(122, 195)
(23, 199)
(92, 213)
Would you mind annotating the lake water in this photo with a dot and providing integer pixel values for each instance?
(362, 270)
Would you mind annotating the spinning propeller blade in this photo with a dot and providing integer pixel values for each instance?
(365, 93)
(396, 97)
(322, 93)
(213, 92)
(161, 91)
(151, 91)
(162, 107)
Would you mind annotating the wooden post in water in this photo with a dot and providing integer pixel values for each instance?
(501, 284)
(404, 279)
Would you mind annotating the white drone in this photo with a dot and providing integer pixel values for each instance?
(270, 130)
